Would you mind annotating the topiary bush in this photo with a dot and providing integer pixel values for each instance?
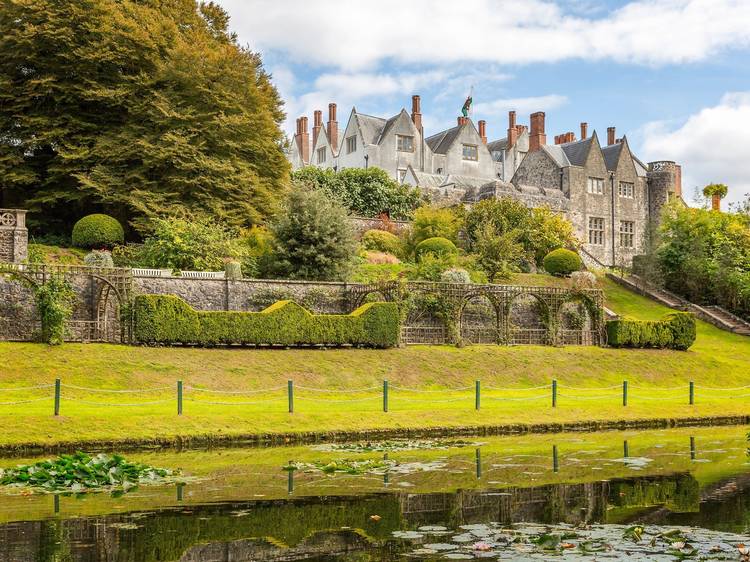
(382, 241)
(437, 246)
(99, 258)
(167, 319)
(97, 231)
(455, 275)
(675, 331)
(562, 262)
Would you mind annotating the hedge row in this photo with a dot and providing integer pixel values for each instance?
(167, 319)
(675, 331)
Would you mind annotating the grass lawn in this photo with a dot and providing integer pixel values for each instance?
(718, 359)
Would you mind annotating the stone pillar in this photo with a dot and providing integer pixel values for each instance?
(14, 238)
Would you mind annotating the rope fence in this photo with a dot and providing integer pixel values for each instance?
(388, 394)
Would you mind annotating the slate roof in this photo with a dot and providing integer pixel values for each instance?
(426, 179)
(441, 142)
(640, 168)
(558, 154)
(498, 145)
(466, 181)
(577, 151)
(387, 125)
(370, 126)
(612, 155)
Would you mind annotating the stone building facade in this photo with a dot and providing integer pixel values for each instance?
(14, 238)
(612, 198)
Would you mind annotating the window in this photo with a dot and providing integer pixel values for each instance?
(470, 152)
(596, 231)
(351, 144)
(596, 186)
(627, 233)
(401, 174)
(321, 155)
(404, 143)
(626, 189)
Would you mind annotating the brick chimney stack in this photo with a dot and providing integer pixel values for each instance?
(610, 136)
(416, 112)
(461, 120)
(537, 137)
(333, 127)
(512, 130)
(317, 124)
(483, 130)
(584, 131)
(303, 140)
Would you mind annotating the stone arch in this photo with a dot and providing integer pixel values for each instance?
(426, 321)
(107, 311)
(577, 322)
(527, 319)
(480, 319)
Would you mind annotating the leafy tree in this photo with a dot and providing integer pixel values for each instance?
(139, 108)
(498, 254)
(313, 238)
(432, 222)
(365, 192)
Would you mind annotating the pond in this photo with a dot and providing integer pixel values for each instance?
(635, 495)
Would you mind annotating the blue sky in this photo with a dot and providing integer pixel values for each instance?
(672, 75)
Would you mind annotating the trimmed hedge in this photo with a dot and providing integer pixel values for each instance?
(675, 331)
(562, 262)
(382, 241)
(167, 319)
(438, 246)
(97, 231)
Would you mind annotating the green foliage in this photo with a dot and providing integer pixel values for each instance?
(98, 258)
(185, 244)
(431, 266)
(498, 255)
(540, 230)
(704, 256)
(256, 245)
(80, 472)
(675, 331)
(438, 246)
(233, 270)
(167, 319)
(365, 192)
(433, 222)
(54, 302)
(97, 231)
(313, 238)
(382, 241)
(716, 189)
(562, 262)
(455, 275)
(140, 109)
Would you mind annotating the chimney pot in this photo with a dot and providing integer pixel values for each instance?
(416, 115)
(537, 138)
(610, 135)
(513, 131)
(584, 131)
(333, 128)
(483, 130)
(303, 140)
(317, 124)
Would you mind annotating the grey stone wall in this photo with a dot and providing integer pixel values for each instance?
(14, 238)
(363, 224)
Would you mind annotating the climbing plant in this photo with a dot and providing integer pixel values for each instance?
(54, 301)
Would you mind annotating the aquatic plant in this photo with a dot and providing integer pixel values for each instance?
(396, 445)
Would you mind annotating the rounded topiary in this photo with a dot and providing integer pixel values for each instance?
(562, 262)
(233, 270)
(455, 275)
(439, 247)
(97, 231)
(98, 258)
(382, 241)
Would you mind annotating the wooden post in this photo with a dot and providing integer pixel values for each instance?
(478, 461)
(555, 462)
(554, 393)
(692, 393)
(290, 395)
(179, 398)
(692, 448)
(624, 393)
(57, 397)
(625, 449)
(477, 395)
(385, 396)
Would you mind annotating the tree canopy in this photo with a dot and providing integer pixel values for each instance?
(137, 108)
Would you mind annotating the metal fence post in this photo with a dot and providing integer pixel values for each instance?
(555, 461)
(290, 395)
(625, 449)
(692, 393)
(477, 395)
(692, 448)
(385, 396)
(179, 398)
(554, 393)
(57, 397)
(624, 393)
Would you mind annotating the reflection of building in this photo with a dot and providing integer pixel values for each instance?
(608, 194)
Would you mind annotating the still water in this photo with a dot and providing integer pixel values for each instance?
(460, 499)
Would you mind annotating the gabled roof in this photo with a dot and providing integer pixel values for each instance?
(611, 155)
(557, 154)
(577, 151)
(369, 126)
(441, 142)
(425, 179)
(498, 145)
(388, 124)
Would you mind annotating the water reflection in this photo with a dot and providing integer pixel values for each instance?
(256, 511)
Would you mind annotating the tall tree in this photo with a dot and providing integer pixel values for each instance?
(140, 108)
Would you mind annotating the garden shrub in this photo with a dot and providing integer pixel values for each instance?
(54, 301)
(167, 319)
(99, 258)
(379, 258)
(455, 275)
(562, 262)
(432, 222)
(675, 331)
(583, 280)
(97, 231)
(382, 241)
(438, 246)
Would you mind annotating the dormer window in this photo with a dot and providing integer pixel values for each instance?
(404, 143)
(470, 152)
(321, 155)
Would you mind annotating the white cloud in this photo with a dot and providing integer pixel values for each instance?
(500, 107)
(360, 33)
(711, 145)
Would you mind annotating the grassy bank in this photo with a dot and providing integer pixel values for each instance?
(718, 359)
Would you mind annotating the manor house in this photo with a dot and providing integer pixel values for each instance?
(609, 195)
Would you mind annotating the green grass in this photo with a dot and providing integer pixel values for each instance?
(718, 359)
